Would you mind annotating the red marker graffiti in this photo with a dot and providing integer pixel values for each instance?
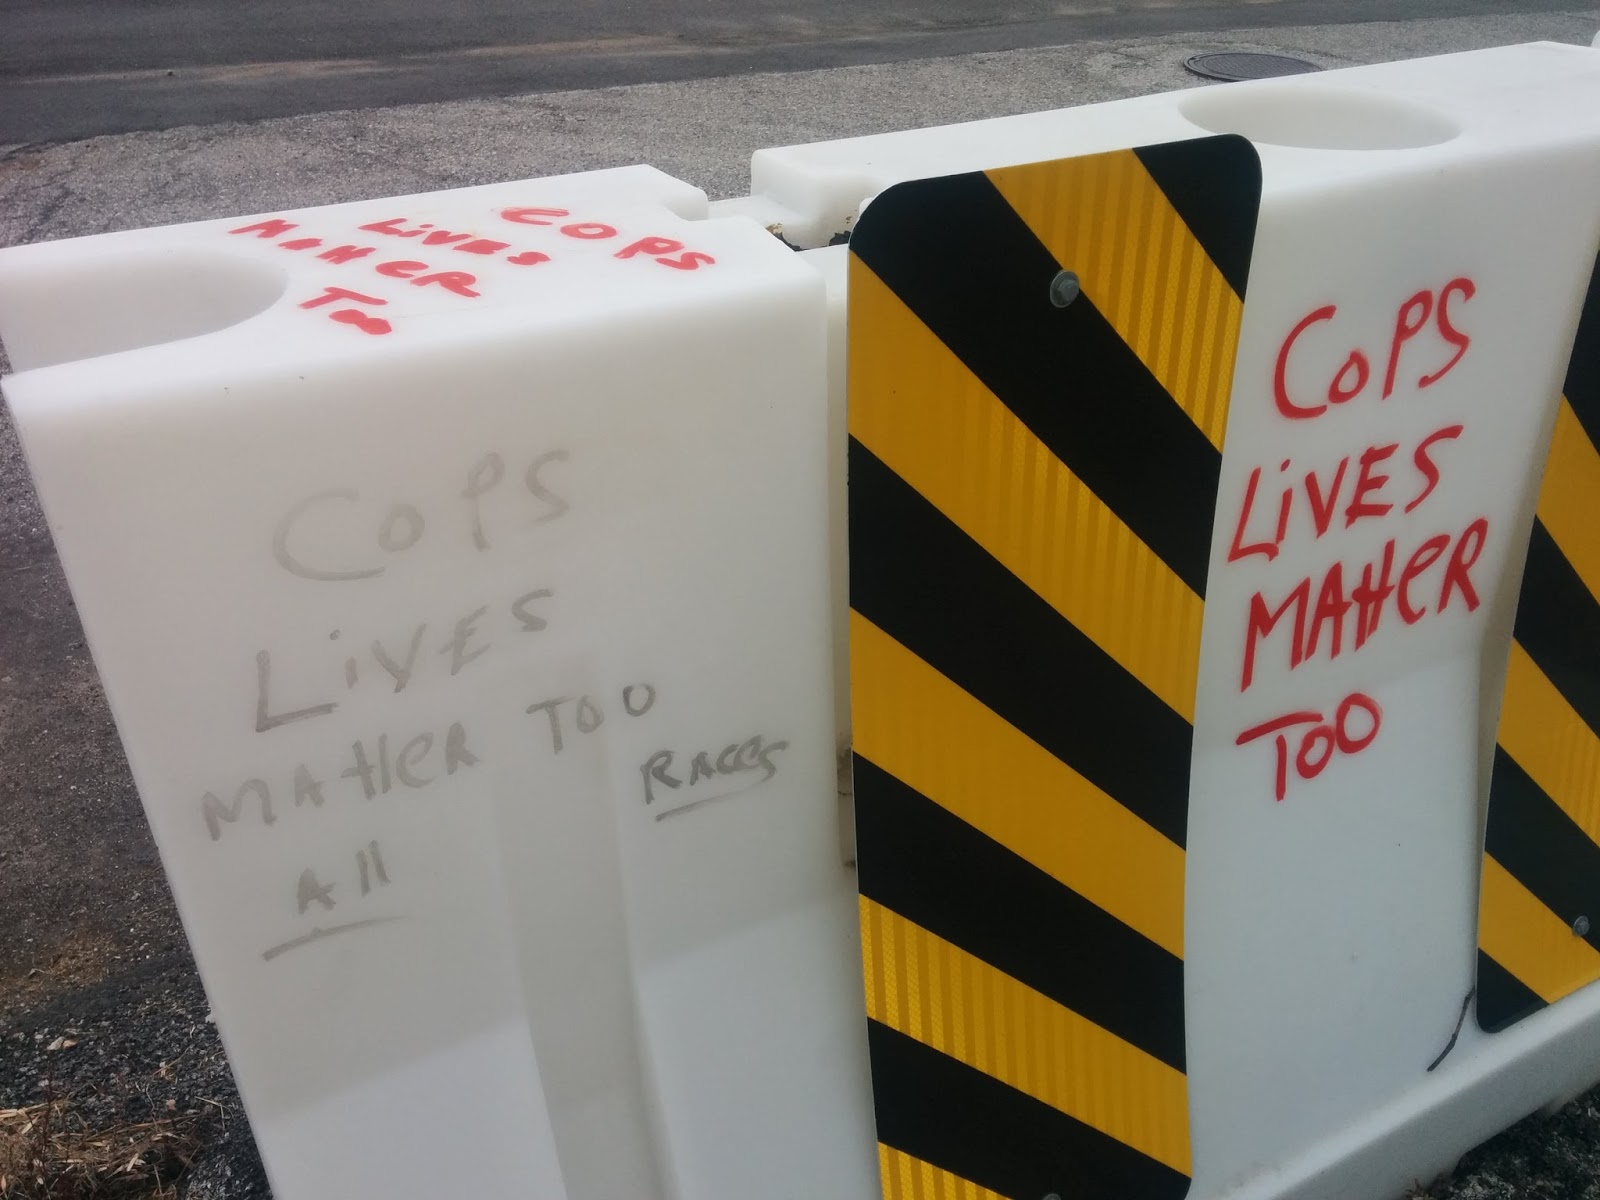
(1319, 743)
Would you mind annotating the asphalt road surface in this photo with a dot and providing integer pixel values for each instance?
(78, 68)
(98, 996)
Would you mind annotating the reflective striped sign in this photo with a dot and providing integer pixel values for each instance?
(1539, 920)
(1034, 460)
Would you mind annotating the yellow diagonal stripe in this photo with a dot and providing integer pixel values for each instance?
(1550, 741)
(1529, 940)
(928, 989)
(1569, 499)
(969, 455)
(908, 1178)
(1103, 217)
(915, 724)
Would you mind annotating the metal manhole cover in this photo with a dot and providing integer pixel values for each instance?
(1232, 66)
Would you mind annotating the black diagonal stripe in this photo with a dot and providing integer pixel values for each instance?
(944, 1112)
(1502, 998)
(1583, 370)
(1215, 186)
(938, 872)
(1558, 624)
(971, 270)
(1530, 836)
(919, 578)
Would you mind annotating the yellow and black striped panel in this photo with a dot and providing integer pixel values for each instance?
(1539, 913)
(1032, 492)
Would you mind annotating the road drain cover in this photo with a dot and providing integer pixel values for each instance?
(1231, 66)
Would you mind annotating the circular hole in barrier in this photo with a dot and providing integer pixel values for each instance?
(145, 297)
(1317, 118)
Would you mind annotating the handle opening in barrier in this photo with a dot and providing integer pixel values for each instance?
(127, 303)
(1318, 119)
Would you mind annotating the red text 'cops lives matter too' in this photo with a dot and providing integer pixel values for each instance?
(422, 255)
(1422, 571)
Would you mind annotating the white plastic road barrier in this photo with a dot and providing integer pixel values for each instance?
(458, 570)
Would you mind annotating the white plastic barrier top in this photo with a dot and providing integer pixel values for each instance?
(458, 570)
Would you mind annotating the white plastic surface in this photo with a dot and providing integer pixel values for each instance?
(1330, 938)
(325, 571)
(643, 1007)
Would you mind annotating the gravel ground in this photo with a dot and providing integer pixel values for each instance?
(98, 996)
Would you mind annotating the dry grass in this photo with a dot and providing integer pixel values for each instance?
(49, 1151)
